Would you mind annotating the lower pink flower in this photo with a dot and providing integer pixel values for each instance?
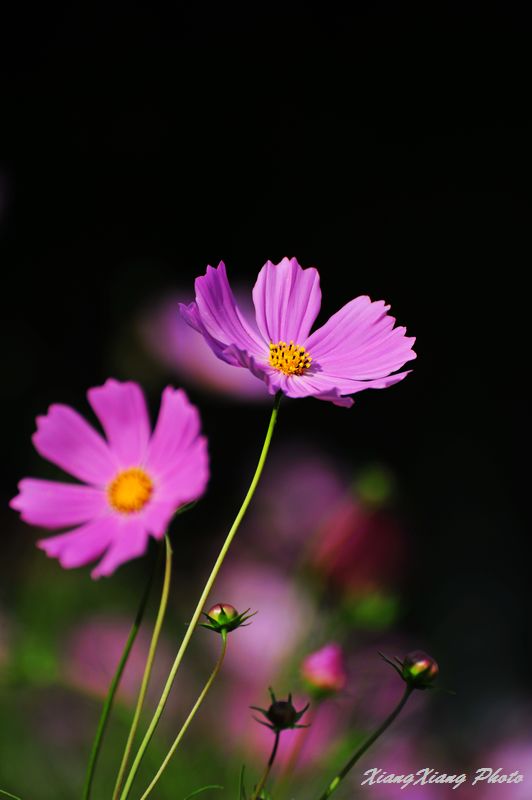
(133, 481)
(324, 670)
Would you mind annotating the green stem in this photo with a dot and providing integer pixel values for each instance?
(201, 603)
(295, 754)
(190, 717)
(262, 783)
(148, 668)
(366, 745)
(104, 717)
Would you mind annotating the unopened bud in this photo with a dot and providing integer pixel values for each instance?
(281, 714)
(223, 618)
(419, 669)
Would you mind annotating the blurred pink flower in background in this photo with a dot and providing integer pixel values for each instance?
(178, 347)
(284, 617)
(324, 670)
(400, 754)
(359, 548)
(301, 487)
(327, 724)
(509, 756)
(92, 652)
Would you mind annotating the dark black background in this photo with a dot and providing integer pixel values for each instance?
(390, 148)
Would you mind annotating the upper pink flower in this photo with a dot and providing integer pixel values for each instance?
(324, 670)
(357, 348)
(133, 483)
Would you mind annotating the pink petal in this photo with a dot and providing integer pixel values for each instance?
(130, 542)
(83, 545)
(158, 515)
(287, 301)
(56, 505)
(259, 368)
(177, 454)
(359, 342)
(192, 317)
(328, 387)
(178, 427)
(216, 315)
(187, 479)
(121, 409)
(67, 440)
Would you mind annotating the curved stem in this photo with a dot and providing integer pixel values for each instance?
(366, 745)
(104, 717)
(261, 784)
(204, 595)
(190, 717)
(148, 668)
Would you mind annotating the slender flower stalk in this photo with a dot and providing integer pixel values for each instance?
(280, 716)
(148, 668)
(334, 784)
(104, 717)
(262, 783)
(201, 603)
(197, 704)
(295, 753)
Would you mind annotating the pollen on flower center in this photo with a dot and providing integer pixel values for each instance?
(130, 490)
(291, 359)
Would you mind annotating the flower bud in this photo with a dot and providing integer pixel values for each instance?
(281, 714)
(223, 618)
(222, 612)
(324, 671)
(419, 670)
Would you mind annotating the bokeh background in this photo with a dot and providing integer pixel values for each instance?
(387, 148)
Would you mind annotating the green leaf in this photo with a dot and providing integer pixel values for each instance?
(203, 789)
(184, 509)
(8, 794)
(241, 786)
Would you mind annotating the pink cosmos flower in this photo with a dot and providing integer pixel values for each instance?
(358, 348)
(324, 670)
(133, 482)
(294, 500)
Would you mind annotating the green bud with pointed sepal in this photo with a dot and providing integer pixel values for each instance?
(281, 715)
(223, 618)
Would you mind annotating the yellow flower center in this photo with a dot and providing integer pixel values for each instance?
(292, 359)
(130, 490)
